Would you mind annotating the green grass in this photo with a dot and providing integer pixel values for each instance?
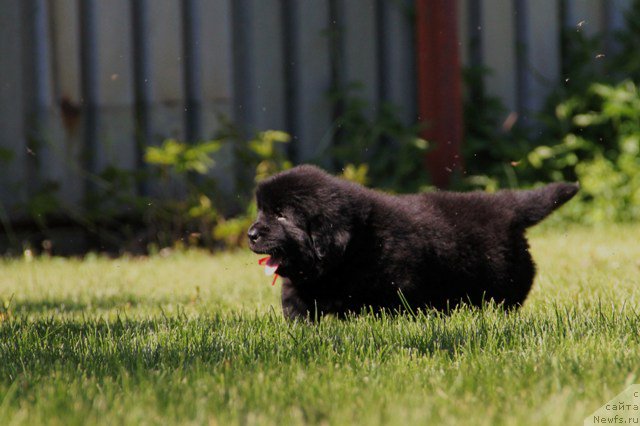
(198, 339)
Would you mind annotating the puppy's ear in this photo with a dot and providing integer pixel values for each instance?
(329, 241)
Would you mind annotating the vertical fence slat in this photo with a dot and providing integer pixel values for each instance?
(116, 142)
(41, 86)
(397, 58)
(216, 52)
(66, 51)
(38, 90)
(568, 13)
(192, 70)
(268, 86)
(307, 71)
(383, 29)
(360, 39)
(243, 112)
(522, 42)
(290, 71)
(336, 33)
(166, 82)
(12, 126)
(563, 12)
(314, 79)
(89, 90)
(217, 83)
(498, 32)
(543, 58)
(474, 50)
(141, 84)
(474, 32)
(68, 143)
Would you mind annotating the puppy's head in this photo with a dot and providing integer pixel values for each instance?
(302, 222)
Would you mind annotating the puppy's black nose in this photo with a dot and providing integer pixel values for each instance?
(253, 234)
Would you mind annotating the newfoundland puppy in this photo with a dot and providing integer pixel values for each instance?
(341, 247)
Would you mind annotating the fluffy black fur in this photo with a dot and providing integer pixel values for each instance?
(342, 247)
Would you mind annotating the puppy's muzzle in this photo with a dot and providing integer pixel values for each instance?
(256, 231)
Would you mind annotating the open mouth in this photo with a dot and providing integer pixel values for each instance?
(271, 265)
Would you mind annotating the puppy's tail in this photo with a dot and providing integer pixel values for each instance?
(534, 205)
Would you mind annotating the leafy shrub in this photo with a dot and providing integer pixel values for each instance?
(183, 158)
(601, 150)
(262, 155)
(589, 131)
(193, 215)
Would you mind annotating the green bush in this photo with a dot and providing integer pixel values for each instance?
(263, 155)
(195, 216)
(602, 150)
(589, 131)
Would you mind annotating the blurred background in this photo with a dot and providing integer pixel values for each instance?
(133, 125)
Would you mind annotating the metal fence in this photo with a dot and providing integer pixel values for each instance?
(90, 83)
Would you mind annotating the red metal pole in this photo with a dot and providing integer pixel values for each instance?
(439, 86)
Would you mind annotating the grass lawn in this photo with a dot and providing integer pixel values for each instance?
(192, 338)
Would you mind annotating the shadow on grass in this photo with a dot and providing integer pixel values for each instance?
(244, 341)
(25, 307)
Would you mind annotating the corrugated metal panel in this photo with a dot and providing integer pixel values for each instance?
(94, 82)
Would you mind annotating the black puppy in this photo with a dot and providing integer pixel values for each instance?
(341, 247)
